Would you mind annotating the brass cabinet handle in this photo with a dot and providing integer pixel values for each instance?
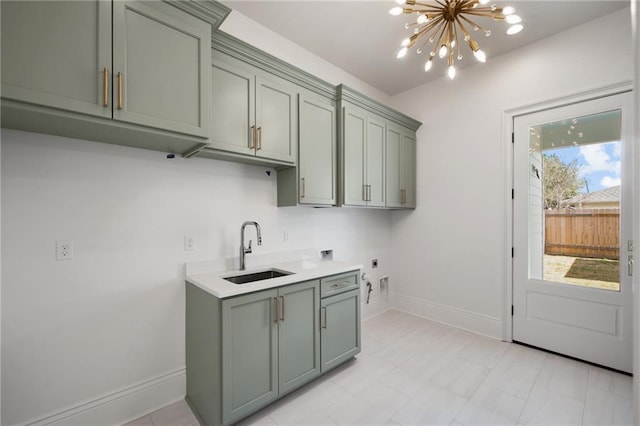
(275, 299)
(259, 138)
(324, 324)
(364, 192)
(303, 188)
(282, 313)
(119, 90)
(252, 137)
(105, 86)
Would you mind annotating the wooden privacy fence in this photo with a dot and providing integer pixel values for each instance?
(583, 233)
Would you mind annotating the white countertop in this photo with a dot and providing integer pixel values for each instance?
(304, 269)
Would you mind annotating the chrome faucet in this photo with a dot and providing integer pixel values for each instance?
(243, 250)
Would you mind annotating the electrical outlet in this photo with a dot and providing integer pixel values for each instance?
(189, 243)
(64, 250)
(286, 236)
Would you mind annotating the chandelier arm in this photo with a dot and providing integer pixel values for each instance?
(437, 44)
(462, 27)
(455, 28)
(473, 23)
(485, 14)
(430, 25)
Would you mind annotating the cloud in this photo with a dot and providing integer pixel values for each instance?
(597, 159)
(609, 181)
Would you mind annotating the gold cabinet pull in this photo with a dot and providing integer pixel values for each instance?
(364, 192)
(252, 137)
(324, 323)
(282, 309)
(259, 138)
(119, 90)
(105, 86)
(303, 189)
(275, 299)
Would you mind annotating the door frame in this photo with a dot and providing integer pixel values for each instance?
(508, 116)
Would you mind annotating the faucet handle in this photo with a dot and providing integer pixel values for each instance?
(248, 249)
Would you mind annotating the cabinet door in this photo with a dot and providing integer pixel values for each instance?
(275, 119)
(375, 162)
(393, 186)
(408, 168)
(163, 57)
(317, 150)
(232, 108)
(54, 53)
(354, 142)
(298, 336)
(250, 353)
(340, 328)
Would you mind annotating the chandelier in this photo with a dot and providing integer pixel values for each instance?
(440, 22)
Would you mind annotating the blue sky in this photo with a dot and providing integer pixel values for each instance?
(599, 163)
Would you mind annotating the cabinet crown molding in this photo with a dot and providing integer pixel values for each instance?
(243, 51)
(347, 94)
(210, 11)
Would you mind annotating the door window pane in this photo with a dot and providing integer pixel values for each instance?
(574, 200)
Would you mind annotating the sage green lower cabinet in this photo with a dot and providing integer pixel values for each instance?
(246, 351)
(340, 319)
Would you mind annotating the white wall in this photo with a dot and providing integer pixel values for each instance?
(114, 315)
(449, 255)
(100, 339)
(635, 24)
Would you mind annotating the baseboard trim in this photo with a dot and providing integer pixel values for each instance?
(122, 405)
(455, 317)
(376, 307)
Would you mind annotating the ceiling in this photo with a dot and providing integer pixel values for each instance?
(361, 37)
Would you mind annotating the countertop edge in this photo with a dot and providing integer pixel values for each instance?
(209, 281)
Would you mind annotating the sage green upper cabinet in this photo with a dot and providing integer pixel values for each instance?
(126, 72)
(232, 108)
(364, 157)
(313, 181)
(377, 147)
(253, 113)
(54, 53)
(317, 146)
(161, 67)
(401, 167)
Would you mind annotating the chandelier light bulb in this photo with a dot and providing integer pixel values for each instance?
(400, 2)
(422, 19)
(428, 65)
(480, 55)
(402, 52)
(405, 42)
(395, 11)
(515, 29)
(512, 19)
(443, 51)
(451, 72)
(483, 1)
(508, 10)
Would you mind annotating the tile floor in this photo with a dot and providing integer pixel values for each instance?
(413, 371)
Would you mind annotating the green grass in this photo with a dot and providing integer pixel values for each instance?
(596, 273)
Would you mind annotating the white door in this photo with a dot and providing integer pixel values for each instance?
(571, 221)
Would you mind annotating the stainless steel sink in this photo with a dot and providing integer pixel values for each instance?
(257, 276)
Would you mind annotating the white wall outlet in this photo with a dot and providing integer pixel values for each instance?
(286, 236)
(189, 243)
(64, 250)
